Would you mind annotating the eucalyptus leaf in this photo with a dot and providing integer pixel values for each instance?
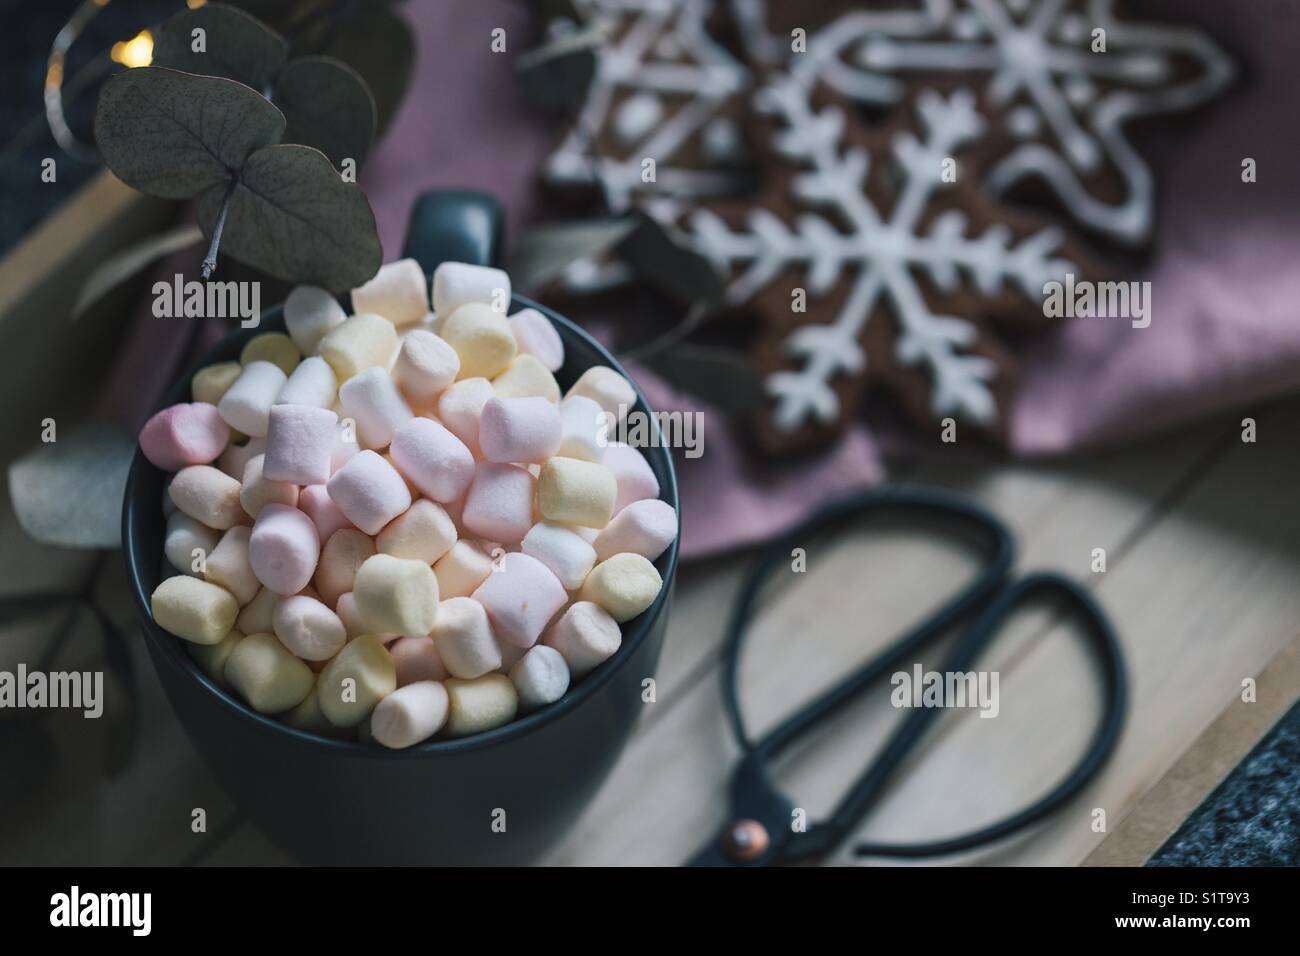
(292, 216)
(174, 135)
(327, 105)
(683, 274)
(68, 493)
(543, 252)
(721, 377)
(237, 46)
(372, 40)
(557, 74)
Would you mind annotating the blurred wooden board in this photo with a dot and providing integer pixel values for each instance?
(1204, 765)
(39, 282)
(1203, 547)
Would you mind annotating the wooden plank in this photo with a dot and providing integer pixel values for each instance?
(1203, 766)
(860, 592)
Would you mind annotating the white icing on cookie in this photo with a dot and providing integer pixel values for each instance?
(1037, 54)
(678, 80)
(881, 255)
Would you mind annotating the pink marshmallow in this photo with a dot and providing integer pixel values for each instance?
(300, 442)
(499, 506)
(186, 434)
(520, 430)
(283, 549)
(235, 458)
(433, 459)
(646, 527)
(632, 472)
(345, 446)
(416, 659)
(315, 502)
(369, 491)
(459, 408)
(535, 336)
(520, 598)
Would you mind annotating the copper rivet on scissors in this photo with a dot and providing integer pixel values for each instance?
(745, 840)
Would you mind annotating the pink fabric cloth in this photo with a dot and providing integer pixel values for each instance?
(1224, 331)
(1225, 288)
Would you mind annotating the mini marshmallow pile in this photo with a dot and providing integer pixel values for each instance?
(407, 532)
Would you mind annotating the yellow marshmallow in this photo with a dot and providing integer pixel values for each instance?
(195, 610)
(481, 337)
(343, 554)
(359, 676)
(526, 377)
(212, 658)
(263, 672)
(274, 347)
(624, 585)
(462, 569)
(308, 716)
(210, 382)
(480, 704)
(363, 341)
(396, 595)
(209, 496)
(424, 532)
(572, 491)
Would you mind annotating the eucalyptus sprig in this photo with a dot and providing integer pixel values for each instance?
(280, 207)
(367, 35)
(325, 102)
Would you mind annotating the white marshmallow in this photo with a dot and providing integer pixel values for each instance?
(308, 628)
(372, 400)
(586, 635)
(310, 312)
(537, 337)
(456, 283)
(609, 389)
(568, 556)
(247, 403)
(313, 383)
(398, 292)
(188, 541)
(258, 491)
(228, 565)
(540, 677)
(410, 714)
(582, 429)
(646, 527)
(426, 366)
(464, 638)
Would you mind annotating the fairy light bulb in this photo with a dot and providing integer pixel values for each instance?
(137, 51)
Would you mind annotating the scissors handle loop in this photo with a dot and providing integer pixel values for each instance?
(761, 808)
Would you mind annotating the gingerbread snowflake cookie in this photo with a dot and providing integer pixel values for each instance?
(873, 258)
(1059, 82)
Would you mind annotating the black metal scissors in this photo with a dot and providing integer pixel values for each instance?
(760, 830)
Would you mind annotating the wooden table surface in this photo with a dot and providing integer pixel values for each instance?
(1202, 537)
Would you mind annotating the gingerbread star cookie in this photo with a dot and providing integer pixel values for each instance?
(663, 91)
(1059, 82)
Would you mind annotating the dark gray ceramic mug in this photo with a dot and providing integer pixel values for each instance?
(327, 801)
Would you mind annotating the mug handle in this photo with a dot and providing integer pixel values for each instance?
(455, 225)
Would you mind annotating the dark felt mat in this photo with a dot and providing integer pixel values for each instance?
(1253, 817)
